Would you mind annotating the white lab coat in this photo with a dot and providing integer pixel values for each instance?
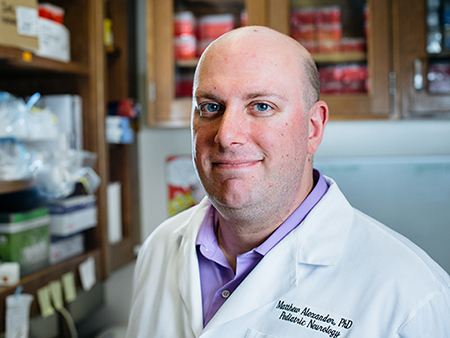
(338, 274)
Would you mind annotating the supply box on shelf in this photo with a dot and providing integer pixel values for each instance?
(24, 238)
(73, 215)
(19, 24)
(54, 40)
(63, 248)
(54, 37)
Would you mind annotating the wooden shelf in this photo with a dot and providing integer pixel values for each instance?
(187, 63)
(340, 57)
(20, 59)
(13, 186)
(42, 278)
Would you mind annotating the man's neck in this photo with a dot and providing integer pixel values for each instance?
(241, 230)
(234, 239)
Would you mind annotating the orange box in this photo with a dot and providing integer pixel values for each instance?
(213, 26)
(302, 16)
(354, 73)
(51, 12)
(329, 32)
(353, 45)
(310, 46)
(185, 47)
(327, 15)
(328, 47)
(303, 33)
(184, 23)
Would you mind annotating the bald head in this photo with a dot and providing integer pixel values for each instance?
(267, 46)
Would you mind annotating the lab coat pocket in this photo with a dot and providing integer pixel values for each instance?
(251, 333)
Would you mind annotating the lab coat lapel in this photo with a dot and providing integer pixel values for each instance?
(189, 275)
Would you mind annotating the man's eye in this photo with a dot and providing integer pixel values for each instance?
(209, 107)
(262, 106)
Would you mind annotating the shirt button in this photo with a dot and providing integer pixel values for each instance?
(226, 294)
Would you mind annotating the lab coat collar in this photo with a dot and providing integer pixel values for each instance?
(189, 276)
(318, 240)
(322, 235)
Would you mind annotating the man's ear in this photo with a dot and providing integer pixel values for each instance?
(318, 118)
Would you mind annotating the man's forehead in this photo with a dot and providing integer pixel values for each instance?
(262, 77)
(224, 90)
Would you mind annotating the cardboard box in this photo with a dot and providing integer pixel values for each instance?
(73, 215)
(19, 24)
(24, 238)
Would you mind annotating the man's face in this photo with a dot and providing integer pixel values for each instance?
(249, 129)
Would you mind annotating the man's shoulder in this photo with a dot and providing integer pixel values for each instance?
(394, 254)
(386, 248)
(172, 229)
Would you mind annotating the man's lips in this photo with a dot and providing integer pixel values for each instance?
(234, 164)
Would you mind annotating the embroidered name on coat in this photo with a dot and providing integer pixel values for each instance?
(313, 320)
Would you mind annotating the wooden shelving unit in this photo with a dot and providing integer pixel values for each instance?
(122, 158)
(97, 77)
(23, 74)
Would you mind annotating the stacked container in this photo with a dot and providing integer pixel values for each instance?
(210, 27)
(184, 35)
(340, 79)
(319, 30)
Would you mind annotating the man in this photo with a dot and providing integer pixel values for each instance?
(276, 250)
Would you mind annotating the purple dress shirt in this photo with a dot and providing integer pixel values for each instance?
(217, 278)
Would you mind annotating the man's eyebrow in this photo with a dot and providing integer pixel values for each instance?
(206, 95)
(256, 95)
(248, 96)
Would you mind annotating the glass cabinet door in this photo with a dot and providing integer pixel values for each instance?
(177, 33)
(349, 40)
(422, 62)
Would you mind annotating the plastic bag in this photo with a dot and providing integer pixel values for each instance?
(58, 171)
(16, 161)
(13, 116)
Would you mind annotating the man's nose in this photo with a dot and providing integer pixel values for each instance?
(232, 129)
